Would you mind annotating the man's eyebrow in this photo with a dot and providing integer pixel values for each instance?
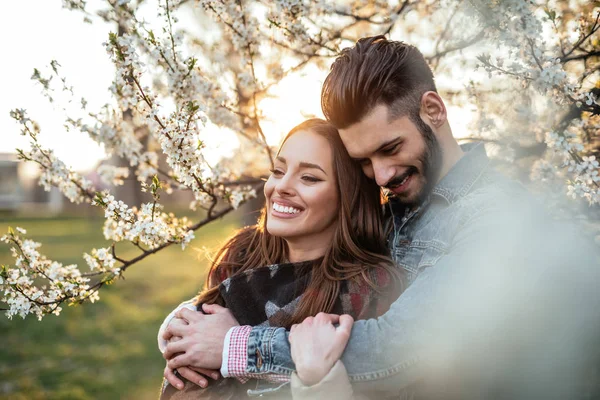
(380, 148)
(279, 158)
(386, 144)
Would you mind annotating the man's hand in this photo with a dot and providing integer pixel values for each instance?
(316, 345)
(201, 344)
(191, 374)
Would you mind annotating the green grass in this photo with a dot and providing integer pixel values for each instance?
(105, 350)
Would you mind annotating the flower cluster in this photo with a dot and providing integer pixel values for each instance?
(56, 174)
(20, 284)
(148, 226)
(112, 175)
(537, 60)
(101, 260)
(584, 181)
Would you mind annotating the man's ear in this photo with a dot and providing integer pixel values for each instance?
(433, 109)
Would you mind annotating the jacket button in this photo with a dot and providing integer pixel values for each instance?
(259, 360)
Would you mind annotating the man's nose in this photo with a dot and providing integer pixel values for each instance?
(383, 173)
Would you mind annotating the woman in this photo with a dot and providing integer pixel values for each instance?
(319, 246)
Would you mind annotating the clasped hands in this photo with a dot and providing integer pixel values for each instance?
(195, 344)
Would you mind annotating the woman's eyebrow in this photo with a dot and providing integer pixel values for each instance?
(304, 164)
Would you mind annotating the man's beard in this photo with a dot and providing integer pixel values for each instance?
(431, 163)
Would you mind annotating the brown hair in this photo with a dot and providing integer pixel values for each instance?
(375, 71)
(357, 247)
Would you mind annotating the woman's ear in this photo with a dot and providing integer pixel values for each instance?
(433, 109)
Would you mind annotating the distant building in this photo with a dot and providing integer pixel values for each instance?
(11, 190)
(19, 188)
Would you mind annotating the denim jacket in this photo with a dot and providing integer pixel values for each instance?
(473, 253)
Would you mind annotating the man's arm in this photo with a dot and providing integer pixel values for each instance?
(502, 302)
(523, 292)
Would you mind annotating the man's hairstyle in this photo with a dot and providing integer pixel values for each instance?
(375, 71)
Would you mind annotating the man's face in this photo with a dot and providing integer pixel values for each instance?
(400, 155)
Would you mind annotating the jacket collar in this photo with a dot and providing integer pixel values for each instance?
(464, 174)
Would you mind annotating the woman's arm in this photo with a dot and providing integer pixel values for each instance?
(316, 346)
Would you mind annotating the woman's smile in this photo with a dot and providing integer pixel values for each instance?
(285, 209)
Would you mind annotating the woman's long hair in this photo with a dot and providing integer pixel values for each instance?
(358, 245)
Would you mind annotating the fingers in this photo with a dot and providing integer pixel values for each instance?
(345, 326)
(188, 315)
(175, 330)
(174, 339)
(176, 323)
(214, 374)
(172, 378)
(181, 360)
(174, 348)
(320, 319)
(193, 376)
(327, 318)
(346, 322)
(213, 308)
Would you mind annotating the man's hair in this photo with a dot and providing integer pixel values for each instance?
(375, 71)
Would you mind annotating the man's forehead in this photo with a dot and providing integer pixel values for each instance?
(365, 137)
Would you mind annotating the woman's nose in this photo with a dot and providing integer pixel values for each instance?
(285, 186)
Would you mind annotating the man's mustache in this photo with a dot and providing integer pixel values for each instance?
(398, 179)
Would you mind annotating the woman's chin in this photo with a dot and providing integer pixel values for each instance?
(281, 229)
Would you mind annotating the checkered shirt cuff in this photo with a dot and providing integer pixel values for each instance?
(235, 353)
(235, 357)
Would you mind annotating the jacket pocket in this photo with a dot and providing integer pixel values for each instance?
(420, 254)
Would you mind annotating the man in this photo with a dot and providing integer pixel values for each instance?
(499, 304)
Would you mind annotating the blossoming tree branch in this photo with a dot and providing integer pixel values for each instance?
(536, 97)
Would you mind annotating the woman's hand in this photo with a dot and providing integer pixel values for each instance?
(316, 345)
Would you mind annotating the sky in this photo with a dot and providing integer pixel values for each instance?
(35, 32)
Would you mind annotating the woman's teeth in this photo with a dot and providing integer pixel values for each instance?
(285, 209)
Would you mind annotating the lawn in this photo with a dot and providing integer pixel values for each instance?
(105, 350)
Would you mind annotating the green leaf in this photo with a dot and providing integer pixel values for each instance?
(550, 13)
(99, 200)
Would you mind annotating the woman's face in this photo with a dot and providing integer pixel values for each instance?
(301, 193)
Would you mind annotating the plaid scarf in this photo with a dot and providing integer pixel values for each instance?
(268, 296)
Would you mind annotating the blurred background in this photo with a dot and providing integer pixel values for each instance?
(108, 349)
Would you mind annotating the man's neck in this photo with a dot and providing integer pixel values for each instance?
(452, 153)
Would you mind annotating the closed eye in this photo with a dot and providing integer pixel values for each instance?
(391, 150)
(311, 179)
(277, 172)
